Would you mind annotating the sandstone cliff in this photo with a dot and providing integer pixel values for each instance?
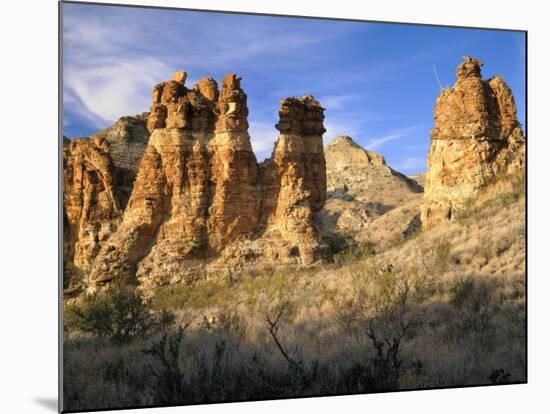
(98, 175)
(361, 187)
(476, 140)
(127, 140)
(91, 204)
(200, 199)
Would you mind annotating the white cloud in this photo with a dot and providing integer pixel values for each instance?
(113, 60)
(113, 88)
(375, 143)
(333, 102)
(73, 105)
(262, 137)
(340, 126)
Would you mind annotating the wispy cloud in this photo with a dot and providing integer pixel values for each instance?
(334, 102)
(114, 88)
(75, 107)
(262, 137)
(340, 126)
(375, 143)
(113, 56)
(412, 164)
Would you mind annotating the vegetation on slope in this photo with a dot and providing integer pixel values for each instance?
(439, 308)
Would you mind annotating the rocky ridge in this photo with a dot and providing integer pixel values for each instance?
(361, 187)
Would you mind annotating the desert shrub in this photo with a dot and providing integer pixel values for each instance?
(486, 249)
(119, 314)
(198, 295)
(518, 186)
(171, 297)
(466, 210)
(503, 245)
(475, 307)
(472, 208)
(387, 310)
(231, 324)
(299, 376)
(507, 199)
(500, 376)
(72, 275)
(170, 378)
(225, 322)
(435, 256)
(336, 242)
(353, 252)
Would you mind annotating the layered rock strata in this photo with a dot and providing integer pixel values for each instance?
(98, 177)
(199, 190)
(294, 180)
(127, 139)
(476, 140)
(91, 202)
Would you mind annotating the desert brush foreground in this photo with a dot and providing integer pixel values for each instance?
(195, 274)
(442, 308)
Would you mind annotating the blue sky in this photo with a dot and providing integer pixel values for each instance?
(375, 80)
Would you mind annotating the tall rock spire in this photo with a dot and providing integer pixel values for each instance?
(295, 177)
(199, 189)
(475, 140)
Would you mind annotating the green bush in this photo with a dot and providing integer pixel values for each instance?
(337, 242)
(118, 314)
(353, 252)
(72, 275)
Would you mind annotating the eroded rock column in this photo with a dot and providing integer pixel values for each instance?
(476, 140)
(234, 209)
(295, 178)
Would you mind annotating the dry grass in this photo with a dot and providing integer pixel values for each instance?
(457, 289)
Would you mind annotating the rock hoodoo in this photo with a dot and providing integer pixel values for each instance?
(200, 199)
(294, 178)
(476, 139)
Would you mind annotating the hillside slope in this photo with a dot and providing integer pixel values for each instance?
(361, 187)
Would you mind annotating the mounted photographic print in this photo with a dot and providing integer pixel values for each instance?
(258, 207)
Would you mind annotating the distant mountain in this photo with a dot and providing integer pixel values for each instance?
(361, 187)
(420, 178)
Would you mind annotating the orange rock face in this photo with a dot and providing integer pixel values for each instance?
(91, 203)
(295, 179)
(127, 139)
(199, 191)
(475, 140)
(98, 177)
